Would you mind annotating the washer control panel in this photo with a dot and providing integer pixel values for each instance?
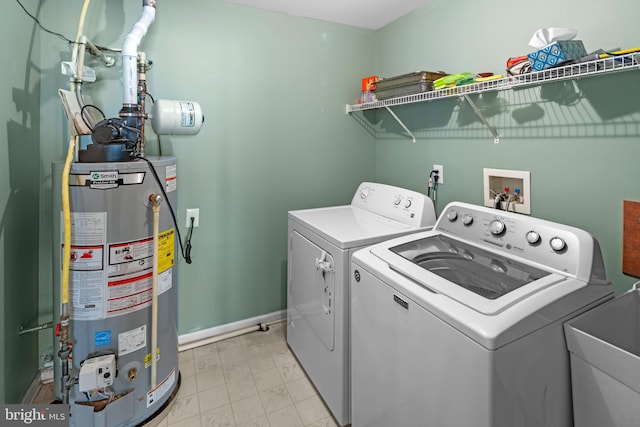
(555, 245)
(400, 204)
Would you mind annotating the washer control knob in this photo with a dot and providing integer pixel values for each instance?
(467, 219)
(557, 244)
(452, 216)
(397, 200)
(497, 227)
(364, 193)
(407, 204)
(533, 237)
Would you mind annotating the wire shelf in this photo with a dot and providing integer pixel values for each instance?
(567, 72)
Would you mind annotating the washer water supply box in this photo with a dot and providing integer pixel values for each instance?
(406, 84)
(605, 363)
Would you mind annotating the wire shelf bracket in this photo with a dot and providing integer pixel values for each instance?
(406, 129)
(483, 119)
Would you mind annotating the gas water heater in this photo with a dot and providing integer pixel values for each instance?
(110, 291)
(116, 250)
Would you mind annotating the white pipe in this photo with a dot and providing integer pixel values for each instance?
(227, 335)
(130, 53)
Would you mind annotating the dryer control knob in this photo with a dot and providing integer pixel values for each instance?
(364, 193)
(452, 215)
(533, 237)
(497, 227)
(557, 244)
(407, 204)
(467, 219)
(397, 200)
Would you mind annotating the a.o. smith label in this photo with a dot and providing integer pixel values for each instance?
(104, 179)
(34, 415)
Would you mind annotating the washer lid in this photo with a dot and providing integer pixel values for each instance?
(349, 227)
(484, 273)
(484, 281)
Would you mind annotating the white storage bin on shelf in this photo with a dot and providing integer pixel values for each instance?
(604, 346)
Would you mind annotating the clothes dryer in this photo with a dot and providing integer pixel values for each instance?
(463, 325)
(321, 242)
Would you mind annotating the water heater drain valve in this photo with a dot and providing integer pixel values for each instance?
(97, 372)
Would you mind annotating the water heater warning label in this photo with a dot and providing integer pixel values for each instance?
(87, 275)
(135, 292)
(131, 251)
(86, 258)
(171, 180)
(147, 358)
(129, 287)
(128, 295)
(161, 389)
(166, 245)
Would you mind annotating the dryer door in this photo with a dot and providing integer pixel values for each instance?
(313, 287)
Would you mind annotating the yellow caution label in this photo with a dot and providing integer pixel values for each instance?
(166, 250)
(147, 358)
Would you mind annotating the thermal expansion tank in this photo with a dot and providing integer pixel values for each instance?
(110, 290)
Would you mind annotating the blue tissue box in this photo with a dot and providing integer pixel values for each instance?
(555, 53)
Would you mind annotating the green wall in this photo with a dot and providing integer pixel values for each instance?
(19, 200)
(579, 140)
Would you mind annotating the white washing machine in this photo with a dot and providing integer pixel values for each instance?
(462, 325)
(321, 242)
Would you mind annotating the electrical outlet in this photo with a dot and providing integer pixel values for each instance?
(440, 170)
(195, 214)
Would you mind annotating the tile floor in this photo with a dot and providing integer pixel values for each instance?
(249, 381)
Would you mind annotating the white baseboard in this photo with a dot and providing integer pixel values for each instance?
(192, 338)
